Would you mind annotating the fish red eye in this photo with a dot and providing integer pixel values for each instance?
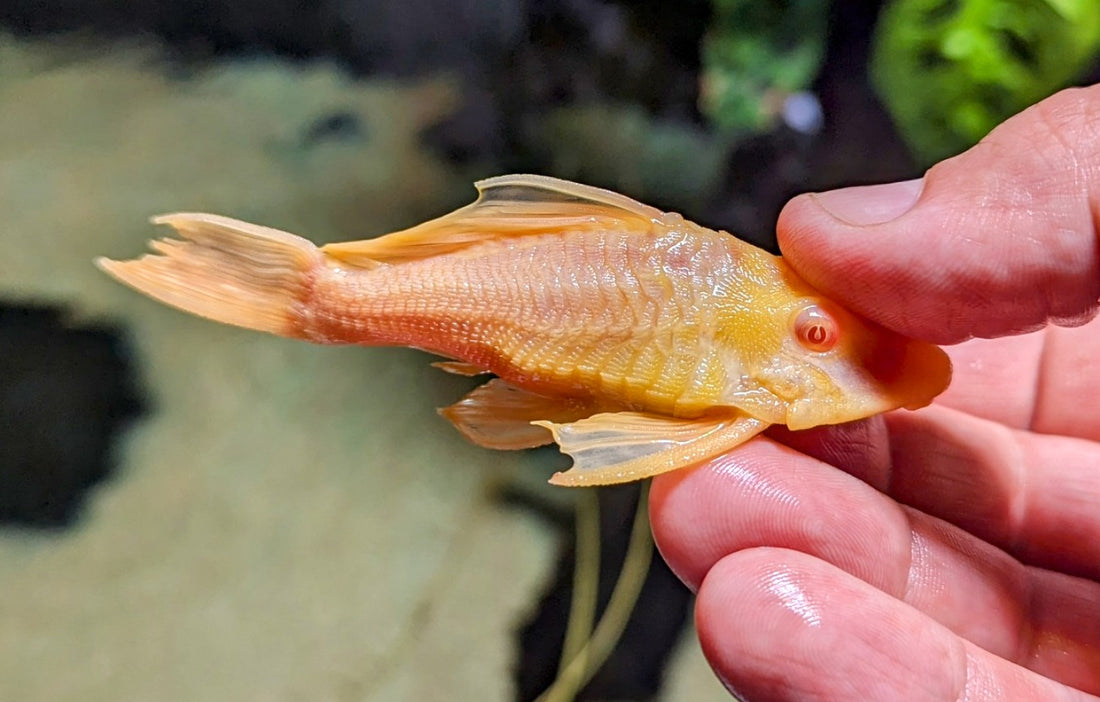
(816, 329)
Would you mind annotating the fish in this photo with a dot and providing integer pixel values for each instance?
(637, 340)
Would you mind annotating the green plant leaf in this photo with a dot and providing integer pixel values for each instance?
(951, 70)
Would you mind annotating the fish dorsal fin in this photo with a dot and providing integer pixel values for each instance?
(507, 206)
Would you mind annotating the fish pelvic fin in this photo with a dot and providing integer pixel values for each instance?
(620, 447)
(225, 270)
(499, 415)
(460, 368)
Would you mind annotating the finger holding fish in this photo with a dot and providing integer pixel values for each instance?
(765, 496)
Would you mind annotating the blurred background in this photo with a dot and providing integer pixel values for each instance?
(189, 511)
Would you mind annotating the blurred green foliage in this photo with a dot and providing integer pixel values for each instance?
(951, 70)
(756, 53)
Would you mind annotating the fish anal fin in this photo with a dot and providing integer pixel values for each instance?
(507, 206)
(621, 447)
(460, 368)
(497, 415)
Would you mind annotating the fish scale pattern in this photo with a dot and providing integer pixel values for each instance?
(592, 312)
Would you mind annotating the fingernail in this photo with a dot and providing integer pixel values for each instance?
(870, 204)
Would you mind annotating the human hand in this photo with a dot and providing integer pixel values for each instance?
(957, 557)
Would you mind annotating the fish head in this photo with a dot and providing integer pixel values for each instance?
(817, 363)
(846, 368)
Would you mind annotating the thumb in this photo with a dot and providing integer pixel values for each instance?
(998, 240)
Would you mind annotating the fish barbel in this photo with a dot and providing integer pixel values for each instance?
(639, 341)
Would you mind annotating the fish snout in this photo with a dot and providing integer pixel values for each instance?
(889, 372)
(906, 372)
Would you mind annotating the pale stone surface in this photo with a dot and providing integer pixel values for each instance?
(291, 522)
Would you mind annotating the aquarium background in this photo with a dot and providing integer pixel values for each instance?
(190, 511)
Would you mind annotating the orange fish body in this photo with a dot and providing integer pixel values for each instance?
(639, 341)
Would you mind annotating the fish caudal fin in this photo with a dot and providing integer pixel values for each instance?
(225, 270)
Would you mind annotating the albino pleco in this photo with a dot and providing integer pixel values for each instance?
(638, 341)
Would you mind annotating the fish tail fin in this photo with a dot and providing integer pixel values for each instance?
(225, 270)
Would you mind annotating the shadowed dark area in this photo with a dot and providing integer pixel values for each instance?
(65, 394)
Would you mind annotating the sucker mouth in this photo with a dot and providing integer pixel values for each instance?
(915, 374)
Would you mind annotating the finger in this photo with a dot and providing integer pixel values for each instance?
(997, 240)
(996, 379)
(1032, 495)
(765, 494)
(1047, 381)
(860, 448)
(1068, 385)
(1029, 494)
(781, 625)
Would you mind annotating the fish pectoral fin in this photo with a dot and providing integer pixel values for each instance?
(460, 368)
(507, 206)
(497, 415)
(623, 446)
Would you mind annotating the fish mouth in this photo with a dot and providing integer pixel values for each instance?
(893, 372)
(906, 372)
